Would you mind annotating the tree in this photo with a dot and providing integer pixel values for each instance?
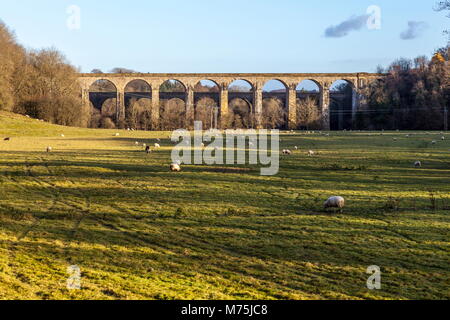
(50, 90)
(122, 70)
(172, 115)
(11, 54)
(274, 115)
(308, 115)
(444, 6)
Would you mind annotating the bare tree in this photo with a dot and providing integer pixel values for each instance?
(308, 115)
(274, 115)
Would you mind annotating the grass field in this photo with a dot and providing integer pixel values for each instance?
(138, 231)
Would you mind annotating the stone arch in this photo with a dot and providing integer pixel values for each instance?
(206, 89)
(234, 85)
(308, 104)
(138, 104)
(101, 90)
(274, 104)
(244, 90)
(172, 85)
(342, 104)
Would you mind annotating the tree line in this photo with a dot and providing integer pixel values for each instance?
(414, 95)
(39, 83)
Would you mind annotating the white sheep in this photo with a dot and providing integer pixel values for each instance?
(117, 134)
(136, 143)
(175, 167)
(157, 146)
(311, 153)
(49, 149)
(296, 148)
(62, 135)
(335, 202)
(418, 164)
(287, 152)
(442, 138)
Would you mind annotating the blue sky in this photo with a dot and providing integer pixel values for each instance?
(226, 36)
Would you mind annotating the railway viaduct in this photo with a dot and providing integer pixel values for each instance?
(323, 81)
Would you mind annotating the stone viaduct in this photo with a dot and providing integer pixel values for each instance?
(257, 81)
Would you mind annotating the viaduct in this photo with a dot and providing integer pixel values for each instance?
(324, 81)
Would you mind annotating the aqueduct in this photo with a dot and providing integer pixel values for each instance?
(222, 96)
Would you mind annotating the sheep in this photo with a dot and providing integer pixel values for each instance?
(136, 143)
(287, 152)
(157, 146)
(117, 134)
(311, 153)
(296, 148)
(148, 150)
(442, 138)
(395, 139)
(159, 140)
(418, 164)
(49, 149)
(433, 142)
(175, 167)
(62, 135)
(335, 202)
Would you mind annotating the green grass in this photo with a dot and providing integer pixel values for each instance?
(138, 231)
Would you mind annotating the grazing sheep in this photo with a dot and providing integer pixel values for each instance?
(175, 167)
(136, 143)
(287, 152)
(433, 142)
(335, 202)
(296, 148)
(311, 153)
(117, 134)
(157, 146)
(148, 150)
(7, 139)
(62, 135)
(442, 138)
(49, 149)
(418, 164)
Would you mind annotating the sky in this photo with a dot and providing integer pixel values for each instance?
(209, 36)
